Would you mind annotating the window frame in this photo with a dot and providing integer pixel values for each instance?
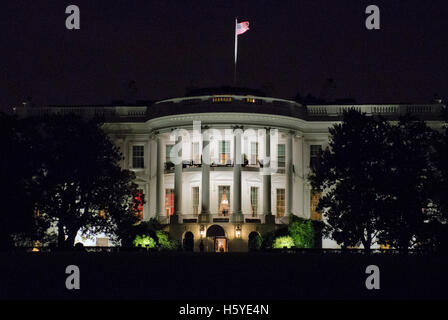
(227, 155)
(254, 213)
(281, 164)
(280, 199)
(139, 157)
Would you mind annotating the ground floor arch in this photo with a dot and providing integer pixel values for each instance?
(217, 234)
(254, 241)
(188, 241)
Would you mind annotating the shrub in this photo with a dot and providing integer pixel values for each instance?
(164, 241)
(269, 237)
(282, 242)
(144, 241)
(302, 232)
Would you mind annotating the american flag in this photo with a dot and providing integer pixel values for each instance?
(242, 27)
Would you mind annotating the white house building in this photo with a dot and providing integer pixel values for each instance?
(220, 166)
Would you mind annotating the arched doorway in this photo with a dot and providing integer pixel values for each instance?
(254, 241)
(218, 235)
(188, 241)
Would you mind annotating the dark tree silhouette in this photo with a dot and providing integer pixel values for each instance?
(19, 167)
(408, 183)
(85, 188)
(350, 173)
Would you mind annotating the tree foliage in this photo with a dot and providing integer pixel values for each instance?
(350, 173)
(408, 183)
(85, 188)
(19, 190)
(379, 181)
(62, 171)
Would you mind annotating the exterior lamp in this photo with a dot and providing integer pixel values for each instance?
(238, 231)
(202, 231)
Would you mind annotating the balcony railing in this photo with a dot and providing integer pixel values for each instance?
(386, 110)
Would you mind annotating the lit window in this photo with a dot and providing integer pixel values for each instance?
(224, 152)
(315, 197)
(195, 192)
(254, 201)
(281, 155)
(169, 202)
(280, 203)
(221, 99)
(139, 202)
(138, 157)
(102, 214)
(253, 100)
(224, 200)
(253, 153)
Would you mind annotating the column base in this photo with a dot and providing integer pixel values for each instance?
(204, 217)
(237, 218)
(269, 219)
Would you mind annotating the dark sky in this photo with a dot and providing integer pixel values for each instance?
(166, 46)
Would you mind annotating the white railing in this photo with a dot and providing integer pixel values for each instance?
(85, 111)
(396, 109)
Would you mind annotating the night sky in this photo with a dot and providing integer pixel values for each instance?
(167, 46)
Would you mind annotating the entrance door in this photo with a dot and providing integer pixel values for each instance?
(220, 244)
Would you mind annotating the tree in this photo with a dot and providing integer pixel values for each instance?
(408, 184)
(84, 187)
(440, 159)
(350, 176)
(19, 166)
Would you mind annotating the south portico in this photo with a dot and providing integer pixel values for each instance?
(250, 174)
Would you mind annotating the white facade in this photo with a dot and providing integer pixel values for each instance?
(143, 132)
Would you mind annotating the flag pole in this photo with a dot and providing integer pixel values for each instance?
(236, 52)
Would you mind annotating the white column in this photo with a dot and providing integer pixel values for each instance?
(205, 180)
(289, 174)
(177, 184)
(160, 184)
(269, 218)
(237, 215)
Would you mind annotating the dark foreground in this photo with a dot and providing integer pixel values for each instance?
(249, 276)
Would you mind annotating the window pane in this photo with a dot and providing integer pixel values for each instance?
(138, 156)
(223, 200)
(315, 197)
(314, 156)
(254, 200)
(139, 201)
(253, 152)
(169, 202)
(281, 155)
(195, 193)
(224, 152)
(280, 203)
